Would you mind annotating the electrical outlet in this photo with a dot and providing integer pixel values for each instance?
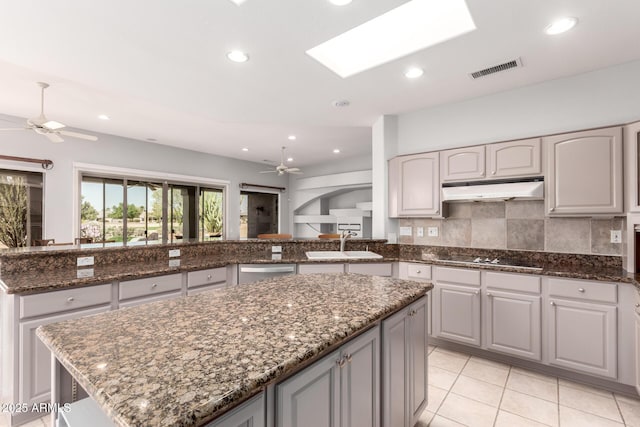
(174, 263)
(276, 249)
(432, 231)
(85, 260)
(616, 236)
(276, 257)
(420, 231)
(405, 231)
(84, 272)
(174, 253)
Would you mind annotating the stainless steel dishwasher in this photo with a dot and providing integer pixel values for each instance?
(248, 273)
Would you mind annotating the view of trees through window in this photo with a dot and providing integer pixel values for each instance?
(108, 213)
(20, 208)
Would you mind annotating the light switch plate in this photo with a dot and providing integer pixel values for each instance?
(276, 249)
(174, 253)
(616, 236)
(420, 231)
(276, 257)
(84, 261)
(405, 231)
(432, 231)
(84, 272)
(174, 263)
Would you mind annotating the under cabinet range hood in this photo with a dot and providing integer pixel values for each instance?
(526, 189)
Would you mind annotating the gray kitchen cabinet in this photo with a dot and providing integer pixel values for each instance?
(632, 166)
(585, 173)
(414, 185)
(340, 390)
(582, 326)
(149, 289)
(404, 342)
(512, 314)
(320, 268)
(463, 164)
(456, 305)
(206, 280)
(384, 269)
(421, 273)
(249, 414)
(514, 159)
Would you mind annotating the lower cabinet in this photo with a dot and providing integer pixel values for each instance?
(456, 313)
(404, 365)
(340, 390)
(374, 269)
(250, 414)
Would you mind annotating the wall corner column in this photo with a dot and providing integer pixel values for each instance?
(384, 146)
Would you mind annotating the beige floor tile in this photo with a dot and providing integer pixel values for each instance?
(583, 387)
(630, 409)
(597, 404)
(448, 361)
(570, 417)
(46, 420)
(424, 419)
(439, 421)
(507, 419)
(435, 397)
(530, 407)
(452, 353)
(536, 375)
(441, 378)
(533, 386)
(467, 411)
(478, 390)
(430, 348)
(489, 362)
(34, 423)
(484, 372)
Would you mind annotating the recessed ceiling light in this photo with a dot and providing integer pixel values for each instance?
(336, 151)
(104, 117)
(411, 27)
(290, 159)
(291, 137)
(238, 2)
(414, 73)
(561, 25)
(341, 103)
(237, 56)
(340, 2)
(245, 149)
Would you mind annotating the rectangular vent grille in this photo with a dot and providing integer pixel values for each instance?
(497, 68)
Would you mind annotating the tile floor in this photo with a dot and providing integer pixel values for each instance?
(470, 391)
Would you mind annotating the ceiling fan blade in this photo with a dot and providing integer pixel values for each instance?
(268, 171)
(293, 170)
(13, 128)
(78, 135)
(53, 137)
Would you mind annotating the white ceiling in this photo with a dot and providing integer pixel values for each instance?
(158, 68)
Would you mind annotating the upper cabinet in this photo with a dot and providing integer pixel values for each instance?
(463, 164)
(414, 185)
(514, 158)
(584, 175)
(632, 166)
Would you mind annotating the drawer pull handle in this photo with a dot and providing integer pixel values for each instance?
(489, 294)
(340, 362)
(71, 299)
(551, 209)
(580, 289)
(476, 293)
(418, 271)
(637, 304)
(208, 277)
(155, 285)
(349, 358)
(552, 303)
(493, 172)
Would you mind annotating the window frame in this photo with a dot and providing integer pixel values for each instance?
(250, 189)
(106, 172)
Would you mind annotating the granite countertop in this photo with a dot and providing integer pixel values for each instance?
(183, 362)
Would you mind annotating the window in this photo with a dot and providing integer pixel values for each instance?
(21, 213)
(258, 214)
(149, 211)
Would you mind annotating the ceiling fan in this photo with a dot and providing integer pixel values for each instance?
(281, 169)
(50, 128)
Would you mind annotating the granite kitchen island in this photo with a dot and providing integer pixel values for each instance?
(186, 361)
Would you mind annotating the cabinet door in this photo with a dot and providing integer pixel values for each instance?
(513, 324)
(360, 381)
(463, 164)
(582, 336)
(320, 268)
(514, 158)
(372, 269)
(456, 313)
(632, 166)
(585, 172)
(249, 414)
(312, 397)
(416, 185)
(417, 350)
(395, 330)
(35, 357)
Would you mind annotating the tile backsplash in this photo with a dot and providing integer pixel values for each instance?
(517, 225)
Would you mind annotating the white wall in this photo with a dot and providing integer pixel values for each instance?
(116, 151)
(599, 98)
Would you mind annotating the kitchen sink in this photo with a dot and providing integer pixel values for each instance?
(341, 255)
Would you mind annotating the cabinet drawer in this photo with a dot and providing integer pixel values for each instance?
(594, 291)
(458, 275)
(513, 282)
(58, 301)
(418, 271)
(320, 268)
(150, 286)
(205, 288)
(373, 269)
(206, 277)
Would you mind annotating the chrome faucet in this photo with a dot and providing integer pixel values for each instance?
(343, 238)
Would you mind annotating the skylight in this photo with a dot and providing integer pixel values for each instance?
(414, 26)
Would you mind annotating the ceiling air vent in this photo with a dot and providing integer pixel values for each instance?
(515, 63)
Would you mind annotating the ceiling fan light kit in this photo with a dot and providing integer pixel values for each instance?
(281, 169)
(50, 128)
